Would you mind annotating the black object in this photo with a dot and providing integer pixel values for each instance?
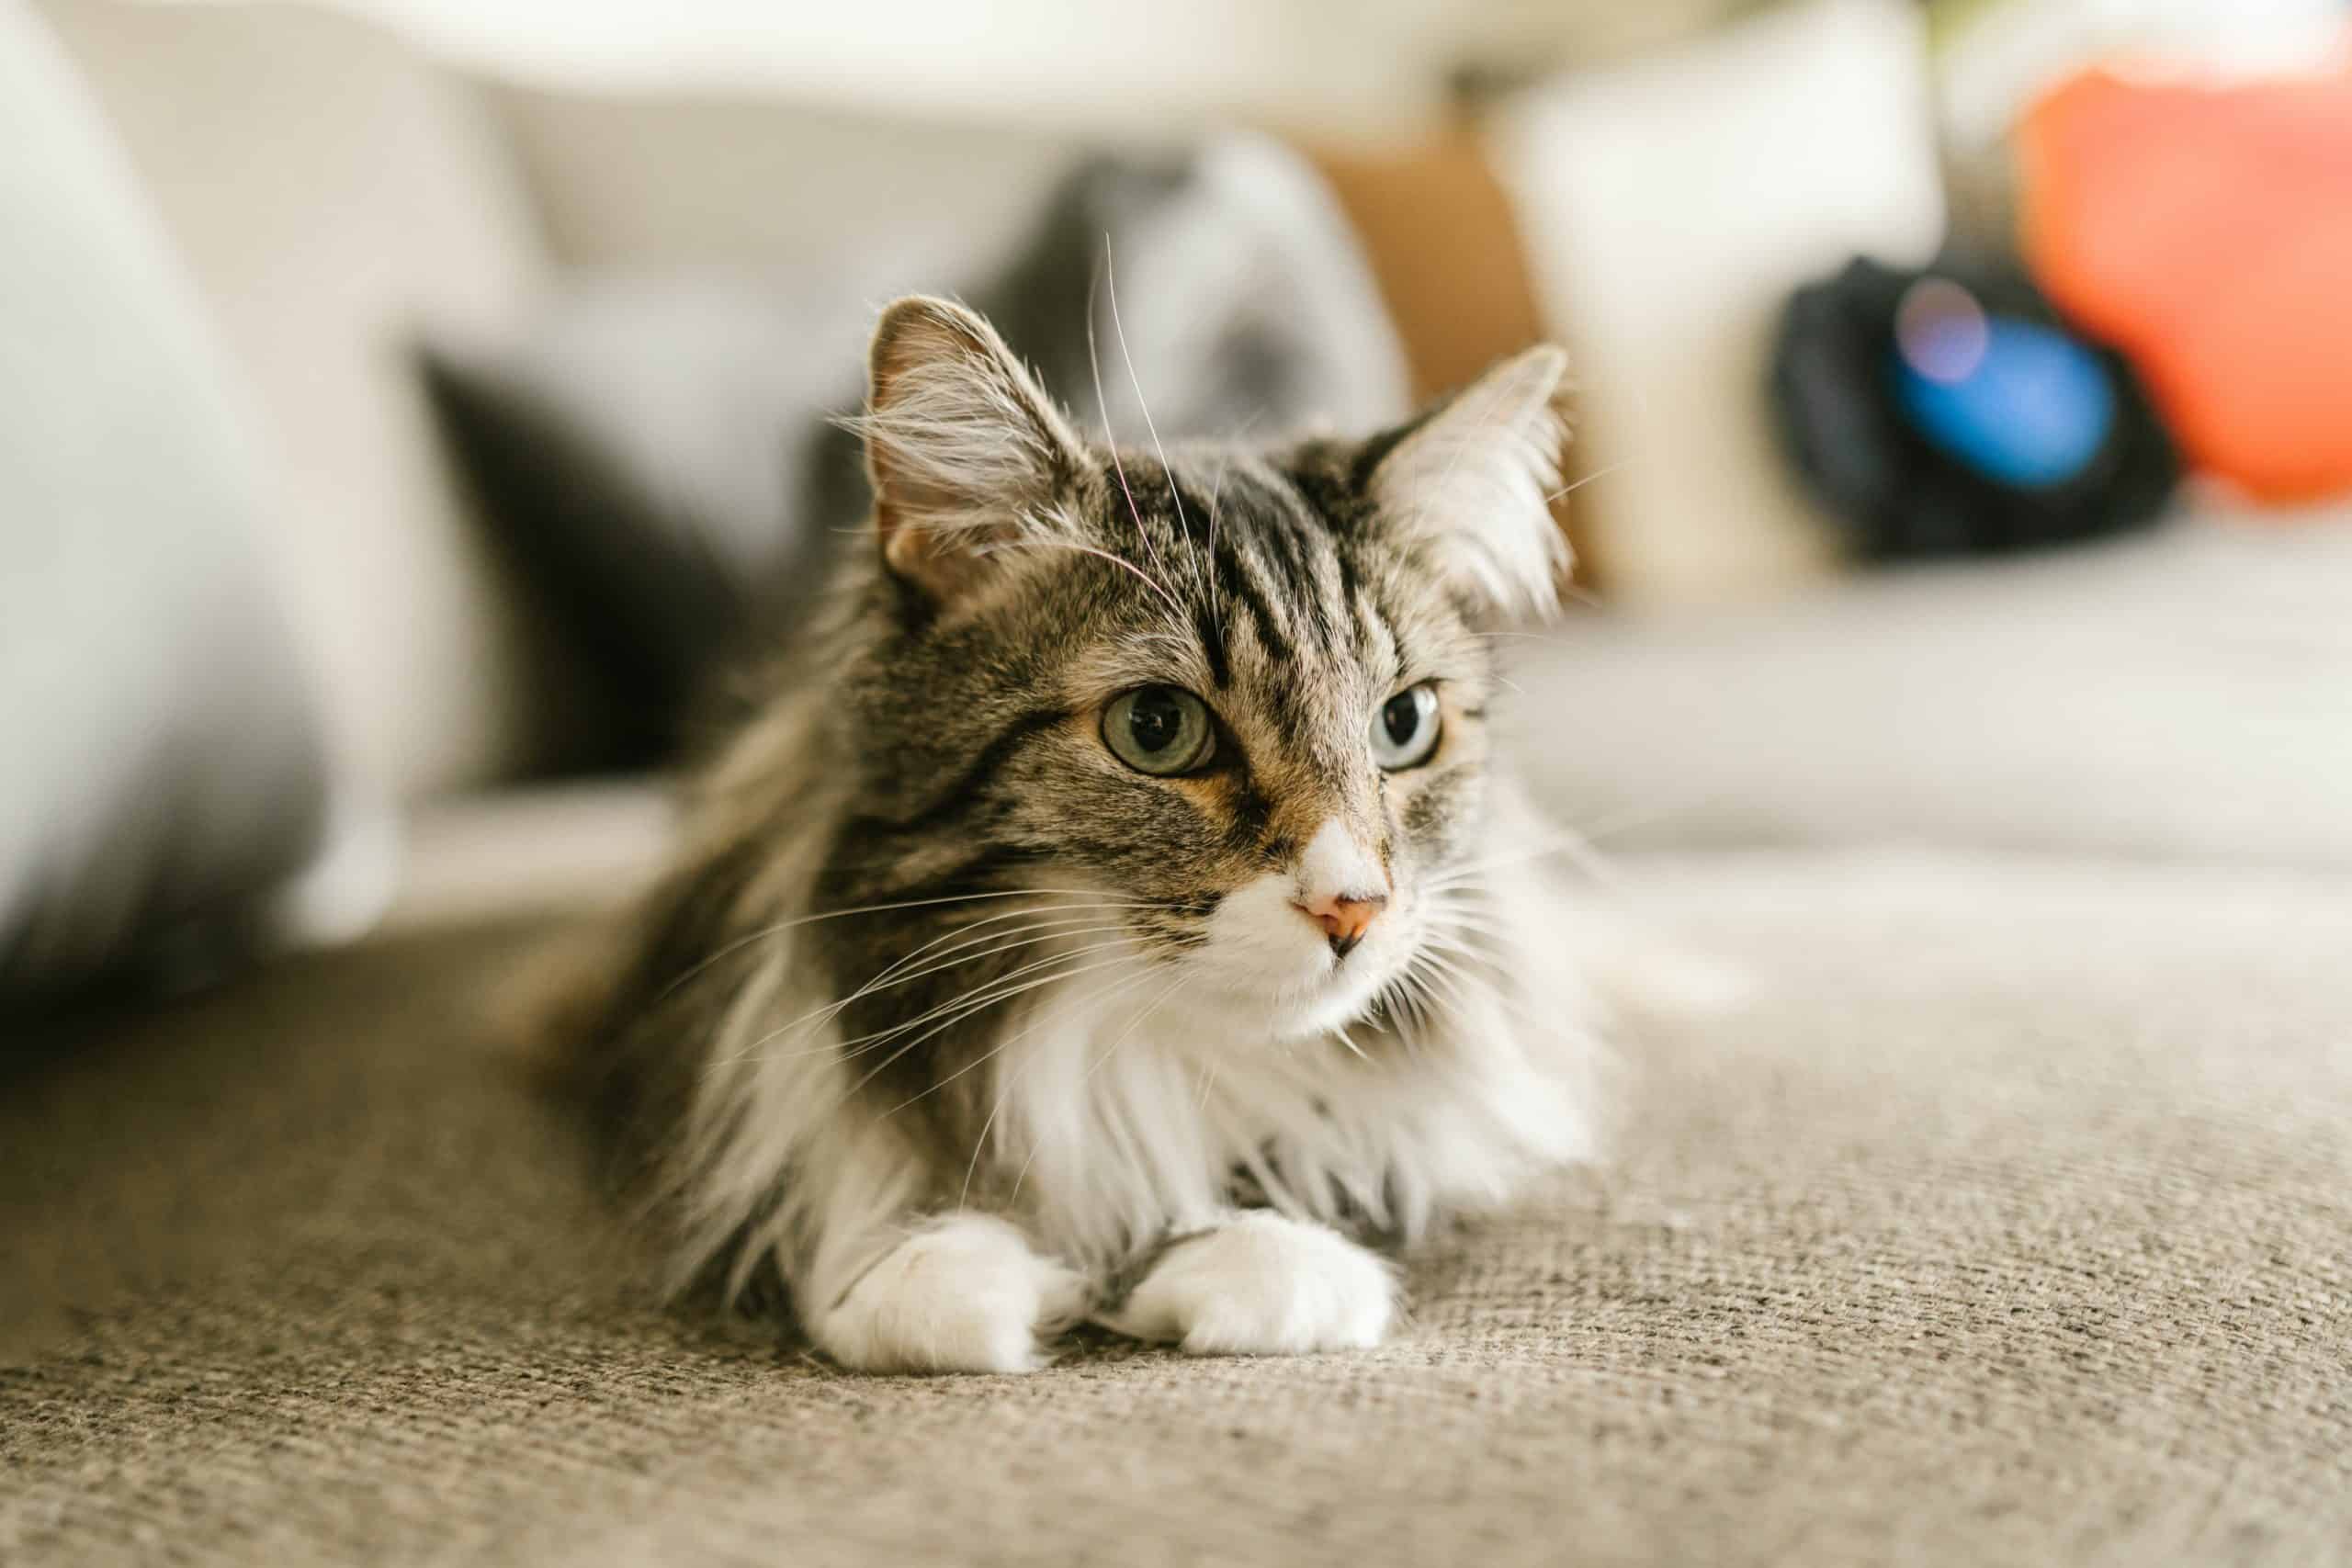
(1898, 493)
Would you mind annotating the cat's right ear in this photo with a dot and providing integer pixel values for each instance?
(1470, 484)
(965, 451)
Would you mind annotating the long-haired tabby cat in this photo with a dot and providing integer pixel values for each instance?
(1116, 911)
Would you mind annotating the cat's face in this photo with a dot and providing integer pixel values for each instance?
(1340, 698)
(1225, 710)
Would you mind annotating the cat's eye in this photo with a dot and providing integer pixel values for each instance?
(1159, 731)
(1405, 730)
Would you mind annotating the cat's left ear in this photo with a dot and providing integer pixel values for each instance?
(966, 452)
(1470, 484)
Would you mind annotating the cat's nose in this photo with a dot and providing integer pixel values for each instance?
(1342, 887)
(1344, 918)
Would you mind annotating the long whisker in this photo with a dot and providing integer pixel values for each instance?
(1572, 487)
(1111, 281)
(992, 1052)
(1065, 915)
(1094, 361)
(1011, 983)
(1127, 566)
(1443, 982)
(883, 1065)
(1133, 1024)
(996, 944)
(961, 1008)
(763, 933)
(1404, 1001)
(1468, 986)
(860, 1045)
(1208, 1082)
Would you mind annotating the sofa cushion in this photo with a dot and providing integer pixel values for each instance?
(2181, 695)
(334, 195)
(161, 761)
(1670, 205)
(2006, 1222)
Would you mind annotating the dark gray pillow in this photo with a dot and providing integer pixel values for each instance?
(160, 771)
(662, 452)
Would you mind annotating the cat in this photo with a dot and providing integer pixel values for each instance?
(1115, 913)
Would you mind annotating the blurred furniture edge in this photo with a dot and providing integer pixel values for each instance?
(573, 846)
(163, 765)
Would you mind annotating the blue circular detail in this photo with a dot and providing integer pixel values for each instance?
(2032, 413)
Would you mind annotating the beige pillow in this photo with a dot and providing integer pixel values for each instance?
(1668, 209)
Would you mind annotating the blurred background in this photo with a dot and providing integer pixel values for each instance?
(411, 412)
(415, 407)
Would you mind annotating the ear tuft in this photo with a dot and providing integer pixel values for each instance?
(1472, 483)
(965, 450)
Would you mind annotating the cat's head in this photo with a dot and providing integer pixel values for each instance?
(1229, 704)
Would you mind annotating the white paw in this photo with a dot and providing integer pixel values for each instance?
(1264, 1285)
(967, 1294)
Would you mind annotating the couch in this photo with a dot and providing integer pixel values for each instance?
(2001, 1213)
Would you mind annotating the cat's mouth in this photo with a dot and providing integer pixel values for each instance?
(1344, 996)
(1286, 983)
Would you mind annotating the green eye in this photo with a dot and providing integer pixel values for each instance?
(1405, 730)
(1159, 731)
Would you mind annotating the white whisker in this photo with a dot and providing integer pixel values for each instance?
(1121, 562)
(1007, 994)
(1094, 361)
(1574, 485)
(1111, 282)
(782, 926)
(860, 1045)
(1067, 915)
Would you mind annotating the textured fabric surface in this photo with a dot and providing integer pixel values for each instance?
(2007, 1221)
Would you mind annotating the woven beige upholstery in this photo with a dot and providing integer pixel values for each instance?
(2012, 1223)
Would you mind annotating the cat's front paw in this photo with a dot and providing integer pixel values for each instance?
(1259, 1284)
(968, 1294)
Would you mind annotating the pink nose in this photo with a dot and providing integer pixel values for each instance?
(1344, 917)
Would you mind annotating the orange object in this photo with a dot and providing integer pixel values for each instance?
(2207, 233)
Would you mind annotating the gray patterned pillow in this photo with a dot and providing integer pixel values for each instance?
(661, 454)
